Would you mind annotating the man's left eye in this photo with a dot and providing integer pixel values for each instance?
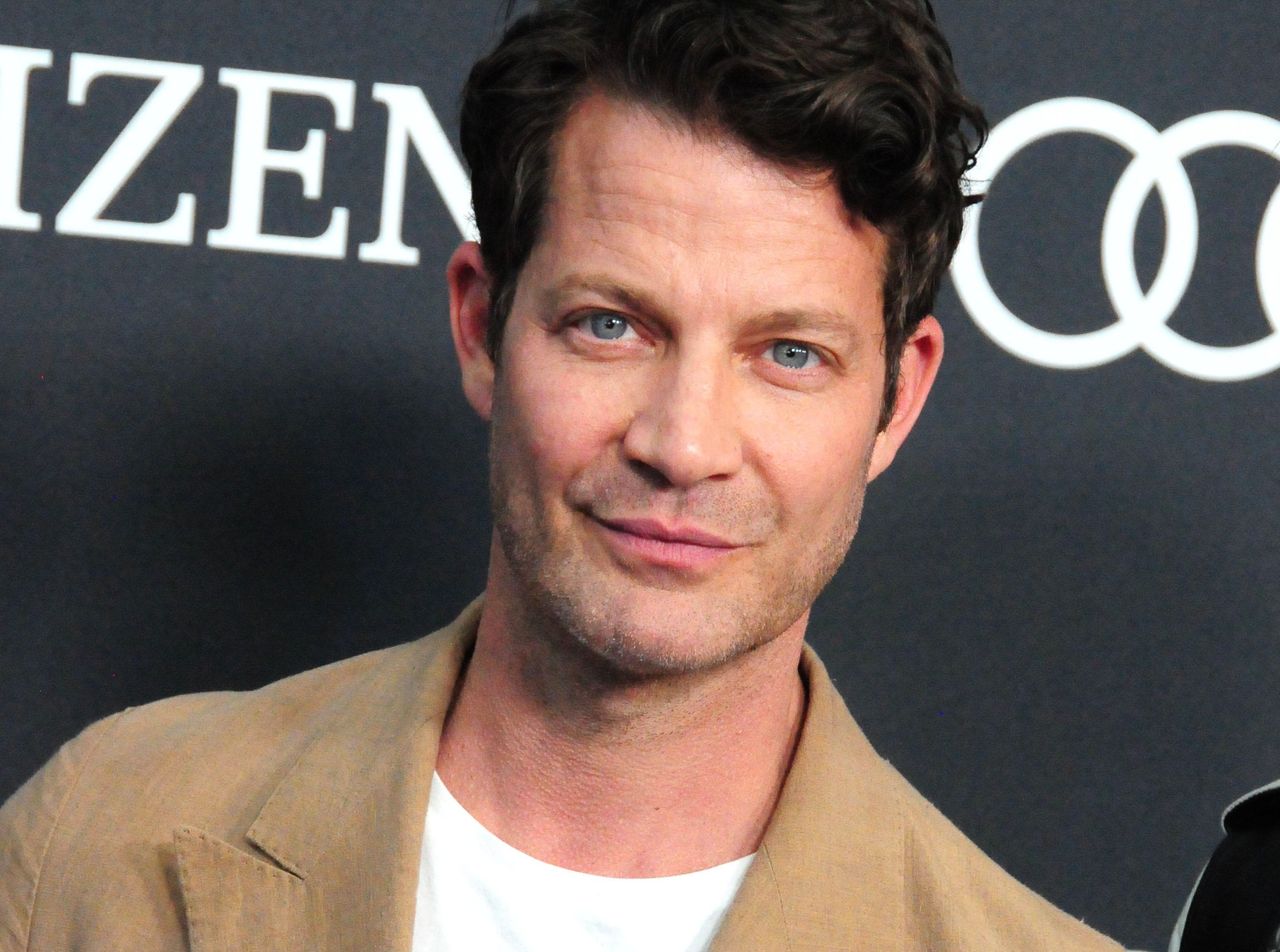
(794, 356)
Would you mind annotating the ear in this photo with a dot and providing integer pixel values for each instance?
(469, 321)
(921, 356)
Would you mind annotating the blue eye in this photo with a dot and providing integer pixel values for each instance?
(607, 326)
(793, 356)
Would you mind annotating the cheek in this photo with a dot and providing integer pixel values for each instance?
(562, 423)
(816, 463)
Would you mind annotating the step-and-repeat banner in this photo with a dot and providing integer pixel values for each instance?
(232, 443)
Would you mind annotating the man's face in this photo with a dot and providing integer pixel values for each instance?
(684, 411)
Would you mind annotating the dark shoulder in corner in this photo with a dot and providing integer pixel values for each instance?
(1257, 808)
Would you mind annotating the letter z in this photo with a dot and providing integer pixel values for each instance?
(82, 214)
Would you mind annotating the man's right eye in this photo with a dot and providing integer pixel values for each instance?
(604, 325)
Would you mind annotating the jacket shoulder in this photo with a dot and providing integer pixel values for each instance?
(112, 797)
(282, 712)
(848, 811)
(217, 756)
(28, 821)
(963, 899)
(123, 784)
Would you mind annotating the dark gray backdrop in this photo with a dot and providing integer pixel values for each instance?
(218, 467)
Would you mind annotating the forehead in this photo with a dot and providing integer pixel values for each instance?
(634, 190)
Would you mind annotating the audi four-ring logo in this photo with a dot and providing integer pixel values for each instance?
(1143, 316)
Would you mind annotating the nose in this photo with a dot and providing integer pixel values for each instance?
(687, 428)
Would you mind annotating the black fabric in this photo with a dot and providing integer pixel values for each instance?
(1260, 808)
(1237, 903)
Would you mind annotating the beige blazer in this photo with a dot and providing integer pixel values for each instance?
(290, 818)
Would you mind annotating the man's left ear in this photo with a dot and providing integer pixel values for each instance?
(921, 356)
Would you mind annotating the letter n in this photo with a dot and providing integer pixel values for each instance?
(411, 119)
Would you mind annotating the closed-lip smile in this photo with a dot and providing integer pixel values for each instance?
(662, 532)
(670, 547)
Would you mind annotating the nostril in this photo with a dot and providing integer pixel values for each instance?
(653, 477)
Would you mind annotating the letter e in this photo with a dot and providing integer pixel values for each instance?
(252, 159)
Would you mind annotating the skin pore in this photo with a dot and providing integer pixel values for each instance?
(683, 424)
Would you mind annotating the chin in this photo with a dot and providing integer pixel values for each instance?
(643, 651)
(653, 633)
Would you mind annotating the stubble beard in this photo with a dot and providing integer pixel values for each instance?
(570, 603)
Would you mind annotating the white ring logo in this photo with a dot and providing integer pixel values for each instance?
(1143, 316)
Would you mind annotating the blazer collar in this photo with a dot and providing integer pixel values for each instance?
(830, 872)
(342, 833)
(345, 823)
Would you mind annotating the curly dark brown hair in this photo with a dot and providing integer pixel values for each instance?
(864, 91)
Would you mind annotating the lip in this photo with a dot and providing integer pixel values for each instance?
(662, 532)
(664, 545)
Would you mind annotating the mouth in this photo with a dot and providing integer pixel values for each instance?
(682, 548)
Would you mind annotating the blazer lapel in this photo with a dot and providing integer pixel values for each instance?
(830, 872)
(237, 901)
(341, 836)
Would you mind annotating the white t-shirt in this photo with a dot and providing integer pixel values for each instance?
(478, 894)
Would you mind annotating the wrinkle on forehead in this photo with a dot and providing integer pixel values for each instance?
(611, 181)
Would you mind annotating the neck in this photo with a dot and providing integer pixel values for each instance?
(577, 765)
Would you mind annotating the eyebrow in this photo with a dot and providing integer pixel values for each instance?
(633, 299)
(820, 321)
